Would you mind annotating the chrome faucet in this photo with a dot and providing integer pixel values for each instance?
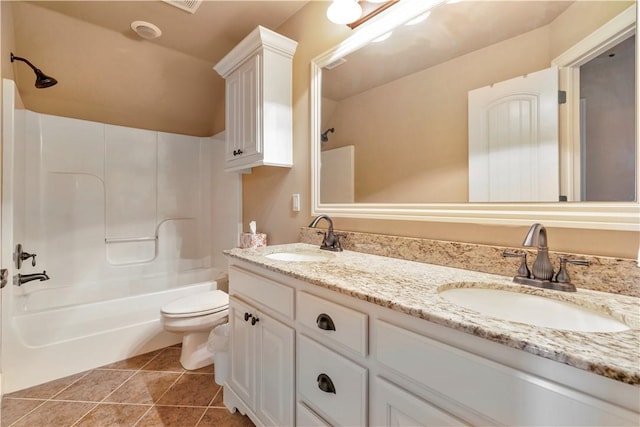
(542, 274)
(20, 279)
(331, 240)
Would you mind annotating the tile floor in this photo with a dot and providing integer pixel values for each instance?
(144, 391)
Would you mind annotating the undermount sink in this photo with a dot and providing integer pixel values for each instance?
(301, 256)
(532, 309)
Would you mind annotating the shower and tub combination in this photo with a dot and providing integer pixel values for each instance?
(115, 222)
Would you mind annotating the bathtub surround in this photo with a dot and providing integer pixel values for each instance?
(604, 274)
(123, 220)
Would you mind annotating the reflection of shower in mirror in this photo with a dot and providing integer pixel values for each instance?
(324, 137)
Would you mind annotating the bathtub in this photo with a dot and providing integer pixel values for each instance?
(49, 344)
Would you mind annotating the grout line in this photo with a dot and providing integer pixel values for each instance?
(159, 398)
(214, 396)
(85, 414)
(51, 397)
(13, 423)
(201, 417)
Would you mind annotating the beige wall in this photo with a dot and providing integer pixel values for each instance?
(267, 191)
(579, 20)
(112, 77)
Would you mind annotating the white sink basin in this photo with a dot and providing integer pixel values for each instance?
(533, 310)
(301, 256)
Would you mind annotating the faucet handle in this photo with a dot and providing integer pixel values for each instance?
(523, 270)
(563, 274)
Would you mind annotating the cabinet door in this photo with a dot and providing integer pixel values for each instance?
(233, 119)
(243, 112)
(276, 367)
(251, 142)
(395, 407)
(243, 351)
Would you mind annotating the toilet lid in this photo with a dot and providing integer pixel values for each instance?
(198, 304)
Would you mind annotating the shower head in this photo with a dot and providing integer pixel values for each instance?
(42, 80)
(324, 137)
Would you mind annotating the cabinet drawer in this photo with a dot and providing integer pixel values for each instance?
(344, 398)
(305, 417)
(515, 397)
(264, 292)
(334, 321)
(394, 406)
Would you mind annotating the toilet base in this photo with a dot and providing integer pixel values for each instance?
(195, 354)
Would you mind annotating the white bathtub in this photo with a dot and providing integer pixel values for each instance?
(51, 344)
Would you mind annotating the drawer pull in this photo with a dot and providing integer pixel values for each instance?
(325, 384)
(254, 320)
(325, 322)
(247, 316)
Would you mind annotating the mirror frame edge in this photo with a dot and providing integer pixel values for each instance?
(619, 216)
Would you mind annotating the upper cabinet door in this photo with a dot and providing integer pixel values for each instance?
(243, 111)
(513, 140)
(258, 73)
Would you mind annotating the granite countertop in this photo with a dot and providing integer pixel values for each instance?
(412, 287)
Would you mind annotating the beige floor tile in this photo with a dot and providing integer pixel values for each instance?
(47, 390)
(218, 400)
(171, 416)
(167, 360)
(205, 370)
(94, 386)
(191, 390)
(13, 409)
(135, 362)
(113, 415)
(55, 414)
(144, 387)
(216, 417)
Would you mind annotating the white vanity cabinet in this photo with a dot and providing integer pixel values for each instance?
(358, 363)
(258, 121)
(261, 381)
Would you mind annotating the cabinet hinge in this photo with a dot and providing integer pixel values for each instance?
(562, 97)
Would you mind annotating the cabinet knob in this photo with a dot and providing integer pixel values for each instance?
(237, 152)
(325, 384)
(247, 316)
(325, 322)
(254, 320)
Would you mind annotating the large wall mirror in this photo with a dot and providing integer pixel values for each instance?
(481, 111)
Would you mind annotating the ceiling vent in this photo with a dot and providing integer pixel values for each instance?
(334, 64)
(146, 30)
(189, 5)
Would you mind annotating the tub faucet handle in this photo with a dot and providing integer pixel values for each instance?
(20, 256)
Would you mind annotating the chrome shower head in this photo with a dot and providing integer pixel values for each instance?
(42, 80)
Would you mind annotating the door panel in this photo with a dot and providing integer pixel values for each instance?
(513, 140)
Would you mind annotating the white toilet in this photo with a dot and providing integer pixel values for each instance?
(195, 316)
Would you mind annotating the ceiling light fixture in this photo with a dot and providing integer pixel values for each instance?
(42, 80)
(344, 11)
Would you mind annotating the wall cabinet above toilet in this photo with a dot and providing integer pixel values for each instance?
(258, 75)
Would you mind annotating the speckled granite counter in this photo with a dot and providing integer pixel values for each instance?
(412, 288)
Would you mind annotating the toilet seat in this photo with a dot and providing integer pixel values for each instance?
(197, 305)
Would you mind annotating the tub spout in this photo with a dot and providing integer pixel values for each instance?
(20, 279)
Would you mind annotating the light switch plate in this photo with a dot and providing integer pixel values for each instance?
(295, 202)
